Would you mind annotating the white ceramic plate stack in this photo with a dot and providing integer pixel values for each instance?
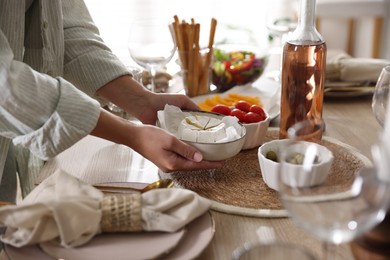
(187, 243)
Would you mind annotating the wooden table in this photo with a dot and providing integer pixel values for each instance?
(94, 160)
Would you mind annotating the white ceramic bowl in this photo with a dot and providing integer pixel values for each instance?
(218, 151)
(297, 177)
(255, 133)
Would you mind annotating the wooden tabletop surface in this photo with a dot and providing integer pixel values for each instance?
(349, 120)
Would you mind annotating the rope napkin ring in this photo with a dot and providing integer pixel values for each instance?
(121, 213)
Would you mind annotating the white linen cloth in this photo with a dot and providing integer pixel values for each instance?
(65, 209)
(342, 67)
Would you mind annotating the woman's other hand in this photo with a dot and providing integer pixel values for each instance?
(153, 143)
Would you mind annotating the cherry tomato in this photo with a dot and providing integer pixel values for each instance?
(243, 105)
(239, 114)
(221, 109)
(258, 110)
(252, 118)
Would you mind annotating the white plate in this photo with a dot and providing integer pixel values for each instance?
(342, 89)
(266, 89)
(186, 244)
(199, 234)
(142, 245)
(345, 94)
(26, 253)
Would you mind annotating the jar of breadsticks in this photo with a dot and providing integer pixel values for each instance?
(195, 60)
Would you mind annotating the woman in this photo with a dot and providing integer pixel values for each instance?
(49, 51)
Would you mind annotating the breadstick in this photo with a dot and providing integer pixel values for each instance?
(196, 60)
(179, 40)
(191, 52)
(205, 77)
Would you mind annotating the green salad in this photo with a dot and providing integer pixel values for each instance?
(234, 68)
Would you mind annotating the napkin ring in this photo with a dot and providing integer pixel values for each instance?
(121, 213)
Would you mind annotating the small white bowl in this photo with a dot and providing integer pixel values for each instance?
(217, 151)
(297, 176)
(255, 133)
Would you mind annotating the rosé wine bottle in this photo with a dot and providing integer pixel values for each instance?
(303, 72)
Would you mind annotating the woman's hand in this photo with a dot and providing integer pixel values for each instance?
(136, 100)
(157, 102)
(168, 152)
(153, 143)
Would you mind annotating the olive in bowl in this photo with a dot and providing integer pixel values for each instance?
(269, 155)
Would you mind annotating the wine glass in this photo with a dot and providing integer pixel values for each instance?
(381, 96)
(336, 207)
(151, 45)
(281, 19)
(268, 248)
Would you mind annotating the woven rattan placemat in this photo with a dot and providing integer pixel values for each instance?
(238, 187)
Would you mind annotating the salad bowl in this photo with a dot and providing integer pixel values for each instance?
(235, 65)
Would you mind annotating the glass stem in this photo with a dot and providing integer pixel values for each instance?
(329, 251)
(153, 73)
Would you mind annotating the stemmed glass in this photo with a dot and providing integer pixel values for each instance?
(281, 19)
(381, 96)
(151, 44)
(267, 248)
(334, 211)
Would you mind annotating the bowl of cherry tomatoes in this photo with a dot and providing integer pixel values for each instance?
(253, 117)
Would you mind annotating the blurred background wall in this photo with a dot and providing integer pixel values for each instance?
(238, 22)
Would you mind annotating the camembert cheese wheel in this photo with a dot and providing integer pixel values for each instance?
(202, 129)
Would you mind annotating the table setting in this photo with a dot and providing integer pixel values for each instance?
(347, 76)
(71, 219)
(100, 200)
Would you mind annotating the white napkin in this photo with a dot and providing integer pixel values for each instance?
(342, 67)
(64, 209)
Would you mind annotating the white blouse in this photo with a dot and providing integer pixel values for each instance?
(47, 53)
